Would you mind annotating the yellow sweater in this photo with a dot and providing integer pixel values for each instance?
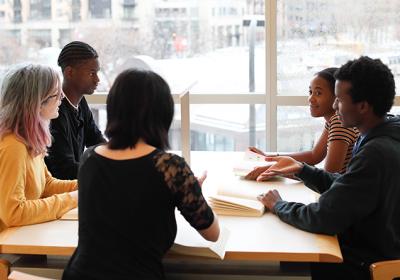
(28, 192)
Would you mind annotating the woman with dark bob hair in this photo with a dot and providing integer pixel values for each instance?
(129, 187)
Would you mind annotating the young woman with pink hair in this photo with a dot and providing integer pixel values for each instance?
(29, 99)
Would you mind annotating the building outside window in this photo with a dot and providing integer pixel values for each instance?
(100, 8)
(248, 63)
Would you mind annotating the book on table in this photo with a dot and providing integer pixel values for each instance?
(188, 241)
(235, 196)
(250, 161)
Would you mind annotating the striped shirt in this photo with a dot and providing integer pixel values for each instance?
(336, 132)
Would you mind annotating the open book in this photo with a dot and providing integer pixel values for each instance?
(188, 241)
(250, 161)
(238, 197)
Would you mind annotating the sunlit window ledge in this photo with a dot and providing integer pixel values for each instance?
(241, 98)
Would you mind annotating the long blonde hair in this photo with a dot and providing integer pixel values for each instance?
(22, 92)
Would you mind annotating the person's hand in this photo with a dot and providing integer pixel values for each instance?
(253, 175)
(255, 150)
(74, 195)
(284, 166)
(202, 178)
(269, 199)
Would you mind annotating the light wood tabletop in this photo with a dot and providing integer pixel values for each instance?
(251, 238)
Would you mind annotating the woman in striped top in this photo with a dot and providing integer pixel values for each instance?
(336, 142)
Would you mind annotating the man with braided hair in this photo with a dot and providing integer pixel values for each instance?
(75, 128)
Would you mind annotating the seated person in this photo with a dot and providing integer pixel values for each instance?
(336, 142)
(30, 96)
(362, 205)
(75, 128)
(129, 187)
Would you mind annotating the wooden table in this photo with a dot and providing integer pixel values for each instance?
(263, 238)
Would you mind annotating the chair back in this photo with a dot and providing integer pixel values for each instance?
(385, 270)
(4, 269)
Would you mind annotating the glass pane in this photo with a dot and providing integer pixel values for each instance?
(99, 115)
(220, 127)
(213, 127)
(310, 40)
(297, 130)
(212, 45)
(395, 110)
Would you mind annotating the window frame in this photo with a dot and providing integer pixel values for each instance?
(271, 98)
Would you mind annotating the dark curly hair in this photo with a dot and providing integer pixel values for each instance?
(371, 81)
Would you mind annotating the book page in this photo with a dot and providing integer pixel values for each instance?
(233, 206)
(241, 188)
(250, 161)
(189, 242)
(252, 156)
(289, 189)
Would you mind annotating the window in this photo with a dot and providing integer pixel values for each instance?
(40, 10)
(40, 38)
(100, 8)
(313, 35)
(242, 59)
(309, 40)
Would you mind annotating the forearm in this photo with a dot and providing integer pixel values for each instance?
(17, 212)
(212, 232)
(315, 178)
(55, 186)
(304, 217)
(308, 157)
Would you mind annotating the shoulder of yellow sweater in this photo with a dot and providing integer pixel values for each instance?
(12, 144)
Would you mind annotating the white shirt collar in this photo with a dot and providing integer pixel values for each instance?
(75, 107)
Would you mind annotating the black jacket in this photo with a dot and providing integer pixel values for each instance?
(72, 131)
(362, 206)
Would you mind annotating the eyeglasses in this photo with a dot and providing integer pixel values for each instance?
(59, 95)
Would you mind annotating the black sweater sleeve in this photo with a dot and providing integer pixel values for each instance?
(349, 199)
(61, 158)
(93, 135)
(317, 179)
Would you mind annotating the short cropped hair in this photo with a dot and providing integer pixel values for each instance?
(23, 91)
(371, 81)
(75, 53)
(139, 106)
(328, 74)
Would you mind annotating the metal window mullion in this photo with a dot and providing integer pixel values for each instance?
(244, 98)
(291, 100)
(271, 75)
(185, 125)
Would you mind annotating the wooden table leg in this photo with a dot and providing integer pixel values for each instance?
(4, 269)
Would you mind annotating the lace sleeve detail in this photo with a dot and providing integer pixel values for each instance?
(185, 189)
